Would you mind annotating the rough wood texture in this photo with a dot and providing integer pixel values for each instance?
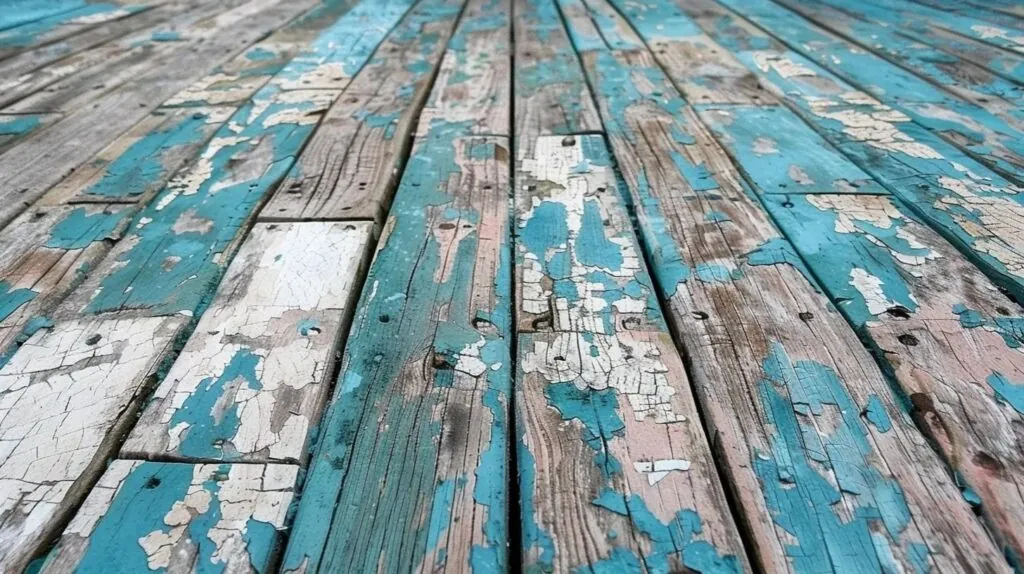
(551, 94)
(781, 377)
(991, 132)
(173, 517)
(472, 93)
(612, 453)
(970, 205)
(65, 399)
(250, 383)
(949, 337)
(177, 247)
(16, 126)
(62, 25)
(353, 162)
(595, 26)
(38, 162)
(411, 469)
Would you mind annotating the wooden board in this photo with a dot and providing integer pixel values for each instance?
(59, 26)
(65, 399)
(781, 377)
(551, 94)
(251, 381)
(773, 145)
(412, 467)
(353, 162)
(16, 126)
(175, 517)
(177, 247)
(612, 452)
(595, 26)
(945, 331)
(40, 161)
(472, 94)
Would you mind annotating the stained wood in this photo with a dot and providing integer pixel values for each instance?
(42, 160)
(780, 376)
(945, 331)
(67, 396)
(178, 517)
(251, 381)
(551, 93)
(352, 164)
(973, 207)
(612, 447)
(178, 245)
(472, 94)
(782, 153)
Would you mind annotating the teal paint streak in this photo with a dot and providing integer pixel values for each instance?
(716, 217)
(18, 125)
(441, 513)
(592, 246)
(141, 168)
(79, 228)
(834, 256)
(668, 264)
(772, 144)
(801, 499)
(535, 537)
(308, 326)
(598, 412)
(779, 251)
(259, 54)
(166, 270)
(1011, 329)
(165, 36)
(209, 431)
(619, 561)
(12, 300)
(716, 273)
(875, 413)
(698, 176)
(1007, 391)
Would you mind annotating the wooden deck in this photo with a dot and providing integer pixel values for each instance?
(587, 286)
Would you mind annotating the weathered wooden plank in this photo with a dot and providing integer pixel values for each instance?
(16, 126)
(66, 398)
(612, 455)
(139, 163)
(21, 12)
(39, 161)
(594, 26)
(336, 55)
(175, 517)
(44, 255)
(781, 377)
(965, 25)
(973, 9)
(177, 247)
(352, 164)
(472, 94)
(945, 331)
(971, 206)
(62, 25)
(551, 94)
(994, 136)
(783, 153)
(411, 470)
(251, 382)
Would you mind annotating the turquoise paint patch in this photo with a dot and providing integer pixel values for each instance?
(166, 36)
(716, 273)
(778, 251)
(18, 125)
(803, 500)
(209, 431)
(1007, 391)
(698, 176)
(1011, 329)
(79, 229)
(875, 413)
(12, 300)
(598, 412)
(308, 326)
(535, 537)
(441, 513)
(29, 33)
(716, 217)
(260, 54)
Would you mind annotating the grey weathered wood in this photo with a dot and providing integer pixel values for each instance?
(551, 93)
(772, 362)
(610, 433)
(352, 164)
(178, 517)
(251, 381)
(66, 398)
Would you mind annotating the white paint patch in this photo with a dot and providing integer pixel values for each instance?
(658, 469)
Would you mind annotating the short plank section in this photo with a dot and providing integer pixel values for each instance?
(551, 93)
(251, 382)
(66, 398)
(353, 162)
(174, 517)
(612, 455)
(781, 377)
(412, 467)
(945, 331)
(472, 94)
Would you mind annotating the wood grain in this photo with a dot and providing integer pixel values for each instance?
(178, 517)
(65, 399)
(353, 162)
(611, 451)
(251, 381)
(780, 376)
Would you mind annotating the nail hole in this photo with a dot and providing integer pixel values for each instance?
(899, 312)
(152, 483)
(446, 226)
(700, 315)
(568, 141)
(908, 340)
(806, 316)
(384, 318)
(93, 339)
(559, 358)
(787, 204)
(1002, 310)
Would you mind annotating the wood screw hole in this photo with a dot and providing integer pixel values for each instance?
(152, 483)
(568, 141)
(908, 340)
(93, 339)
(806, 316)
(700, 315)
(1002, 311)
(384, 319)
(446, 226)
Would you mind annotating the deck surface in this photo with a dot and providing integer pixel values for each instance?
(583, 286)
